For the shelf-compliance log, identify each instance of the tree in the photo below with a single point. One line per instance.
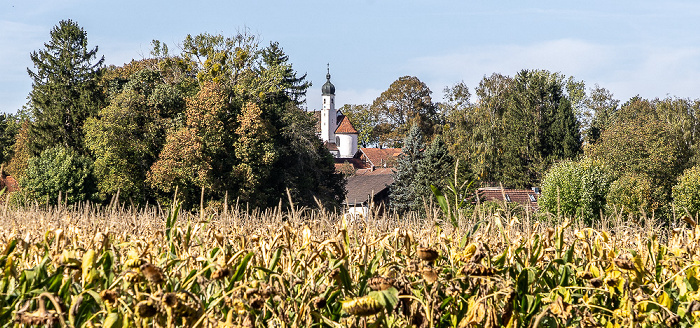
(407, 102)
(9, 127)
(603, 106)
(365, 121)
(403, 195)
(59, 171)
(435, 168)
(632, 195)
(293, 87)
(643, 147)
(254, 151)
(65, 90)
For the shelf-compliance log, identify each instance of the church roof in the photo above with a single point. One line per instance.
(345, 127)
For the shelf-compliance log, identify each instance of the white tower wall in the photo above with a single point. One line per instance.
(328, 119)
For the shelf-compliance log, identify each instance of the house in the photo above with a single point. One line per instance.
(525, 197)
(367, 188)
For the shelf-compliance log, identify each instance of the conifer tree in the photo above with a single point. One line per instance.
(65, 89)
(437, 164)
(404, 196)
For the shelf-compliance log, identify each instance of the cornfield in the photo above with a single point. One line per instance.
(83, 266)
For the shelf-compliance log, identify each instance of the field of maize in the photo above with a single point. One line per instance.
(113, 267)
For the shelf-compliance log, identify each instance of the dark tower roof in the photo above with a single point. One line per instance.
(328, 88)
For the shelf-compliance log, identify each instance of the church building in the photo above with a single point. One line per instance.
(336, 130)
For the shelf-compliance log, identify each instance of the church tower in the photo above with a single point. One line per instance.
(328, 113)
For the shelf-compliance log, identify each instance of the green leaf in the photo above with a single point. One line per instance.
(240, 271)
(388, 298)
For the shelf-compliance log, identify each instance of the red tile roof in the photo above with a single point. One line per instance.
(345, 127)
(380, 156)
(525, 197)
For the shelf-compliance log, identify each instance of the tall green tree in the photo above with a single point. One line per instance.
(404, 195)
(517, 127)
(602, 106)
(65, 90)
(293, 86)
(405, 103)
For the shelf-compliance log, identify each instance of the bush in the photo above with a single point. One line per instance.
(561, 189)
(577, 189)
(59, 170)
(686, 194)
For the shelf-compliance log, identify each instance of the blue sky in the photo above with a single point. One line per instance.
(650, 48)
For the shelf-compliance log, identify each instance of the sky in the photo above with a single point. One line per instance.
(646, 48)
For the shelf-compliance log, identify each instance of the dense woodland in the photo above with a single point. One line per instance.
(225, 118)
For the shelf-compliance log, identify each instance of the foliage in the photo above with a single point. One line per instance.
(517, 127)
(686, 193)
(417, 168)
(59, 172)
(405, 103)
(631, 195)
(186, 160)
(577, 189)
(129, 133)
(602, 107)
(65, 90)
(20, 152)
(254, 150)
(9, 127)
(365, 120)
(404, 195)
(243, 135)
(641, 145)
(561, 189)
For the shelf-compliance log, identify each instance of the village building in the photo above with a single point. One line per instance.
(527, 198)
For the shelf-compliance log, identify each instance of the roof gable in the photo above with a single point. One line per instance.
(345, 127)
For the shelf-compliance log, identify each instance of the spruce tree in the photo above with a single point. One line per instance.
(65, 90)
(404, 194)
(435, 167)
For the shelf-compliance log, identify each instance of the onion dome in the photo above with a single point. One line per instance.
(328, 88)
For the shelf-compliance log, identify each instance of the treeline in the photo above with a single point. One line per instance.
(590, 154)
(222, 118)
